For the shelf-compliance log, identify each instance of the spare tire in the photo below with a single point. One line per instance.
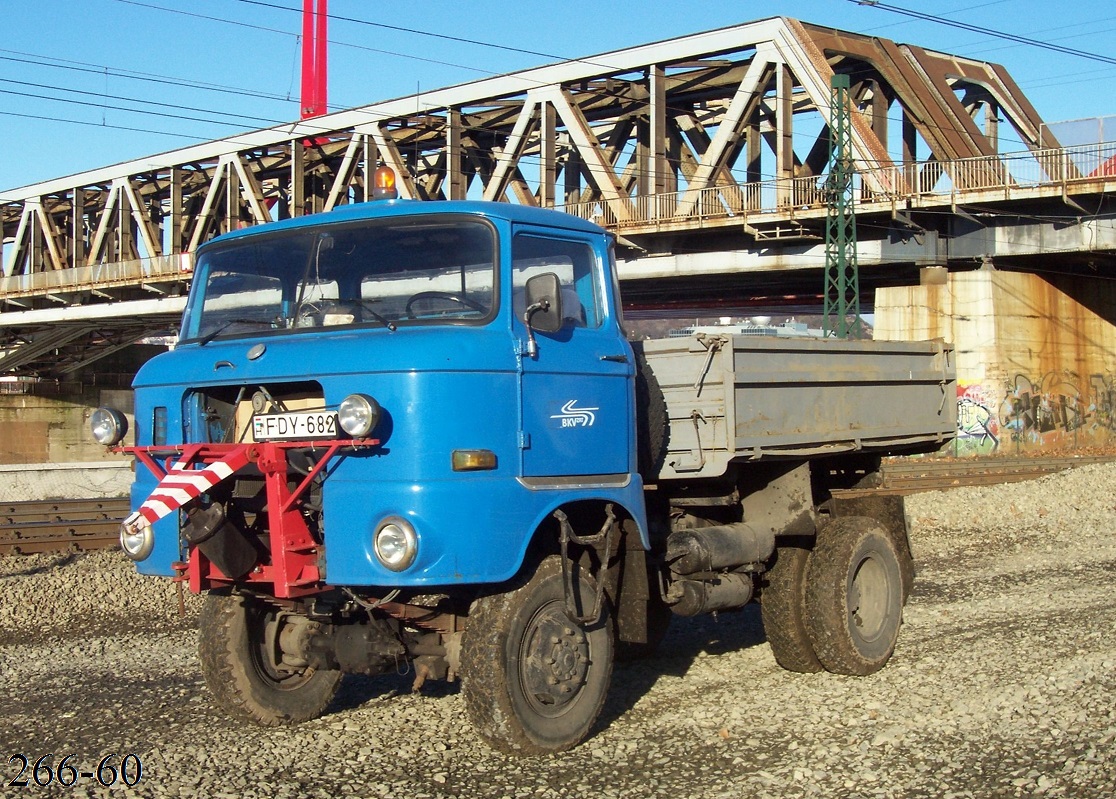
(652, 421)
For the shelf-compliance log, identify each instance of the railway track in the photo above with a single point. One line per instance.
(61, 525)
(911, 475)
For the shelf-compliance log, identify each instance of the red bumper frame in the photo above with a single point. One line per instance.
(189, 470)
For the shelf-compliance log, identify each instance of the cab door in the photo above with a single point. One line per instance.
(576, 397)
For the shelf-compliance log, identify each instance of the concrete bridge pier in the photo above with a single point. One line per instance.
(1036, 354)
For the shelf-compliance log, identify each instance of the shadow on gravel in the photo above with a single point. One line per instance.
(940, 586)
(358, 689)
(92, 625)
(63, 560)
(687, 640)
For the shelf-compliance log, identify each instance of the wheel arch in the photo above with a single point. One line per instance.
(586, 515)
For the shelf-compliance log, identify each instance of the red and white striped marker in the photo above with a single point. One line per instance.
(181, 484)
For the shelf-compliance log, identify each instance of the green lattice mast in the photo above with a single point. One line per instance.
(842, 276)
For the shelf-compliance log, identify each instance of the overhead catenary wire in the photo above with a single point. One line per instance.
(108, 125)
(144, 77)
(156, 103)
(280, 31)
(966, 26)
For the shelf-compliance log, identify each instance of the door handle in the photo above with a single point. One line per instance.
(615, 358)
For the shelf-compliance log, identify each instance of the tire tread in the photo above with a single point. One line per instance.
(222, 651)
(827, 616)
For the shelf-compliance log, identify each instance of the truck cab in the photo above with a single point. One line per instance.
(389, 401)
(423, 313)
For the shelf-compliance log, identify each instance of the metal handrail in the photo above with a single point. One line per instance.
(945, 181)
(160, 268)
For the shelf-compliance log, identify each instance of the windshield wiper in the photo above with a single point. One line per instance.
(379, 318)
(221, 328)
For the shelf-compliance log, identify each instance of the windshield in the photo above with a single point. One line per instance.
(379, 274)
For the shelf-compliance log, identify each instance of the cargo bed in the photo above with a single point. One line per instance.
(733, 397)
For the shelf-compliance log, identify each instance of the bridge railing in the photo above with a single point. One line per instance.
(929, 181)
(98, 276)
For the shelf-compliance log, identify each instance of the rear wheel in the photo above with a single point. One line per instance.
(244, 669)
(534, 680)
(854, 596)
(783, 607)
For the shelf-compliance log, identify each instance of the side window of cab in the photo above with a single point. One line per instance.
(575, 264)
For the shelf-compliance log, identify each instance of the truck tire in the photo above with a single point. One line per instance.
(652, 420)
(240, 675)
(783, 609)
(534, 681)
(854, 596)
(906, 561)
(889, 511)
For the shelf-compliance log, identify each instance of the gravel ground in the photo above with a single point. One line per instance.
(1003, 685)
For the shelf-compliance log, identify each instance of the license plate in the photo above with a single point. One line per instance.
(294, 426)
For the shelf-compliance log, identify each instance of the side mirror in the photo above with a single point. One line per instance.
(544, 303)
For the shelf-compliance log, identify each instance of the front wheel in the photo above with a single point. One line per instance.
(534, 680)
(854, 596)
(244, 667)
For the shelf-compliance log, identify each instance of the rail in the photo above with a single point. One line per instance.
(914, 475)
(60, 525)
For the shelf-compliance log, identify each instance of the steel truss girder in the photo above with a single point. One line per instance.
(683, 114)
(60, 350)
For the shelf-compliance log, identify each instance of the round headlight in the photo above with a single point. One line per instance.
(109, 426)
(137, 539)
(358, 415)
(396, 543)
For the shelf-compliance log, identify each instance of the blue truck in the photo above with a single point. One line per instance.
(417, 434)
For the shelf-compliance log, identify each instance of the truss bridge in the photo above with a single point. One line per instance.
(705, 154)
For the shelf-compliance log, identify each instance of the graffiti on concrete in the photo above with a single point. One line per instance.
(1102, 399)
(1042, 411)
(977, 426)
(1057, 410)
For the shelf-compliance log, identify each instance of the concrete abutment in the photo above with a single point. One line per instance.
(1036, 355)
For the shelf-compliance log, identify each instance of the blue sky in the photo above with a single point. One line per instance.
(226, 66)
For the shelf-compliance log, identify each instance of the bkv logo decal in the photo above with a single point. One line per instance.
(572, 416)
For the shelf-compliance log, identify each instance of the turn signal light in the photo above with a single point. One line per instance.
(473, 460)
